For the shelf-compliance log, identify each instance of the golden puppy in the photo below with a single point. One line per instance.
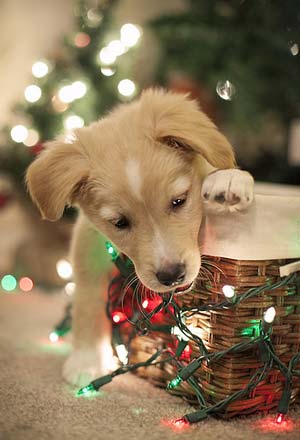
(137, 176)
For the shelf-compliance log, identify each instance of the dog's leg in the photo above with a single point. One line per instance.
(227, 191)
(92, 353)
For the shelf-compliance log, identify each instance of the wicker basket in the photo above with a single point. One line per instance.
(221, 329)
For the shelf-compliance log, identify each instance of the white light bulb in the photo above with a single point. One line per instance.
(53, 337)
(32, 93)
(180, 335)
(106, 56)
(196, 330)
(40, 69)
(66, 94)
(19, 133)
(228, 291)
(32, 138)
(116, 47)
(73, 121)
(122, 354)
(79, 89)
(70, 288)
(64, 269)
(126, 87)
(130, 34)
(269, 315)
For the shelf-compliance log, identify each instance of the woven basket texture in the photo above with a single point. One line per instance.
(223, 328)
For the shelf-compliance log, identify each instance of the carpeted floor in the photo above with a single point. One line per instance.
(35, 403)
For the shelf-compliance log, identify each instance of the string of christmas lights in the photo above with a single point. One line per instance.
(141, 322)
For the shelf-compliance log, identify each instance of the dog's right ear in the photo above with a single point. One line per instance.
(56, 176)
(175, 120)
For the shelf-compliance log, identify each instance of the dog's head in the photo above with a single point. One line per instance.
(136, 174)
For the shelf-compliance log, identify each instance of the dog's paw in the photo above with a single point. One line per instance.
(227, 191)
(83, 366)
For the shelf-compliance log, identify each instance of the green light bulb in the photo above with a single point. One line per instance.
(86, 389)
(174, 383)
(8, 283)
(111, 250)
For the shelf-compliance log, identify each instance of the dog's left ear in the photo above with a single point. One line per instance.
(56, 177)
(177, 121)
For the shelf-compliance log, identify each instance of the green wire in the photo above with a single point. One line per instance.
(263, 342)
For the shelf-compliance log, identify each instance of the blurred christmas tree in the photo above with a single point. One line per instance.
(90, 72)
(241, 59)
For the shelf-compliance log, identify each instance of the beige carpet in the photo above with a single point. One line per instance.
(35, 403)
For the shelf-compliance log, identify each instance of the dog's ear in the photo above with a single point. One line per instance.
(177, 121)
(56, 177)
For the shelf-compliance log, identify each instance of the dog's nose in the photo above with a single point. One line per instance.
(172, 275)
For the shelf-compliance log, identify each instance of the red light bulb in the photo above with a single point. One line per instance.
(145, 304)
(181, 423)
(279, 418)
(118, 317)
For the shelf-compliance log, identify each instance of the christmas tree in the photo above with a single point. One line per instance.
(89, 73)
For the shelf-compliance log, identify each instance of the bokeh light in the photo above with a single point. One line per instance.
(126, 87)
(66, 94)
(107, 71)
(116, 47)
(64, 269)
(32, 138)
(106, 56)
(58, 105)
(130, 34)
(26, 284)
(79, 89)
(73, 121)
(73, 91)
(32, 93)
(40, 69)
(70, 288)
(94, 17)
(19, 133)
(82, 39)
(8, 283)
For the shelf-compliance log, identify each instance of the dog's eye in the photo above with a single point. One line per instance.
(178, 202)
(121, 223)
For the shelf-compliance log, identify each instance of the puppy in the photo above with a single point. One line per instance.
(142, 176)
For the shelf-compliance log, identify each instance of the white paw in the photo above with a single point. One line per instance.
(227, 191)
(83, 366)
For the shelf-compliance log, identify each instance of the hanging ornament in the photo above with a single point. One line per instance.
(226, 90)
(294, 48)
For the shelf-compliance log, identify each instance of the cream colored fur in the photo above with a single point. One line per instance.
(134, 163)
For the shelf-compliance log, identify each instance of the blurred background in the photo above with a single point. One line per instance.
(66, 63)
